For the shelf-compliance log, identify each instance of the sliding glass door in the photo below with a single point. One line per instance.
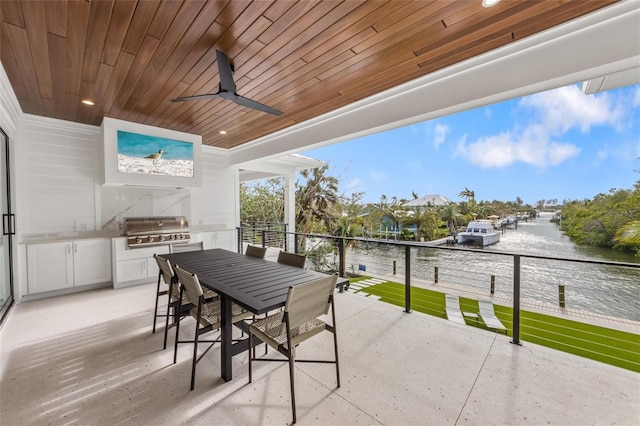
(8, 229)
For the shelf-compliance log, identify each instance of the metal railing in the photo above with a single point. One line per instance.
(546, 281)
(265, 234)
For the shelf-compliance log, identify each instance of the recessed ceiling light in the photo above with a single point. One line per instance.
(223, 132)
(489, 3)
(88, 102)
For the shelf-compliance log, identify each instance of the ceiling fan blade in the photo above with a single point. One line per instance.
(240, 100)
(228, 88)
(195, 97)
(226, 73)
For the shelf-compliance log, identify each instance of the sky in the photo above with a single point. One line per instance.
(559, 144)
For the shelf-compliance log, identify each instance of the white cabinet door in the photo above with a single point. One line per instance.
(49, 267)
(91, 261)
(131, 270)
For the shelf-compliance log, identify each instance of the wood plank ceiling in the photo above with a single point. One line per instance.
(304, 58)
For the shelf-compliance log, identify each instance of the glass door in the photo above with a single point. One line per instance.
(8, 229)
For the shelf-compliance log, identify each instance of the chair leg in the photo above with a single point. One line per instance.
(291, 379)
(166, 326)
(254, 354)
(195, 357)
(335, 345)
(155, 310)
(175, 347)
(335, 339)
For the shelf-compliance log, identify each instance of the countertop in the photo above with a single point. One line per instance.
(70, 236)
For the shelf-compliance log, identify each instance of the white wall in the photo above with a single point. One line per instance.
(59, 170)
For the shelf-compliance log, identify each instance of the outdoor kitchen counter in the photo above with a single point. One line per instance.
(66, 236)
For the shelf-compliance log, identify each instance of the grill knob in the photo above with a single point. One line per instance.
(161, 237)
(172, 236)
(150, 239)
(138, 240)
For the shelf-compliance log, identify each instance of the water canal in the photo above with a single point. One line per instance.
(602, 289)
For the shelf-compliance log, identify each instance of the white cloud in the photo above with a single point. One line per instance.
(557, 153)
(553, 114)
(439, 134)
(506, 148)
(563, 109)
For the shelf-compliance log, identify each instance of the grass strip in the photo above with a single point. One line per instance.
(614, 347)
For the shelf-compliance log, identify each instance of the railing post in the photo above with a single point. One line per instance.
(561, 295)
(240, 240)
(493, 284)
(435, 274)
(394, 267)
(516, 300)
(263, 235)
(295, 243)
(407, 278)
(285, 237)
(341, 256)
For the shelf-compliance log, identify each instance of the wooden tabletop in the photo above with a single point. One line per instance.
(258, 285)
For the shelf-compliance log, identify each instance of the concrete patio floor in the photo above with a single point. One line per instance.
(90, 358)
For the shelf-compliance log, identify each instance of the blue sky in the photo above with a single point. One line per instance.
(557, 144)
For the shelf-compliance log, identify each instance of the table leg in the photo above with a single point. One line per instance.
(226, 336)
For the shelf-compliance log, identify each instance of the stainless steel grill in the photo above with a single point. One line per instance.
(153, 231)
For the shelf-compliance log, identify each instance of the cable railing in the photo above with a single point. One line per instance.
(530, 293)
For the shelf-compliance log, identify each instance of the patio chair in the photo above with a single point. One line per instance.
(299, 321)
(181, 248)
(292, 259)
(489, 317)
(452, 309)
(168, 277)
(207, 315)
(256, 251)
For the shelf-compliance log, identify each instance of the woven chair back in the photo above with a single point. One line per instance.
(165, 268)
(292, 259)
(190, 284)
(308, 301)
(256, 251)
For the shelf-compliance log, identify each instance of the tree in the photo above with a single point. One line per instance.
(314, 199)
(451, 215)
(605, 220)
(468, 195)
(426, 220)
(262, 201)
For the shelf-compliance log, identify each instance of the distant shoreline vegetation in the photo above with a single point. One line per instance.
(608, 220)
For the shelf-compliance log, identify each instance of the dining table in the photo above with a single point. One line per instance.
(257, 285)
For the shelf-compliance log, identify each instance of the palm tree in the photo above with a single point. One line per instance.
(469, 195)
(629, 234)
(314, 199)
(450, 214)
(426, 221)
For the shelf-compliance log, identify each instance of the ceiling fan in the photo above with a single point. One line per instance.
(227, 88)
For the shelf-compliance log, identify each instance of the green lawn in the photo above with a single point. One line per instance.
(603, 344)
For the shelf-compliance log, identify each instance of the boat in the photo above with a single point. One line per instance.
(479, 232)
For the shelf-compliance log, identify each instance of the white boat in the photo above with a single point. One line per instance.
(480, 232)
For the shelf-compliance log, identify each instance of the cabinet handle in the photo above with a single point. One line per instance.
(8, 224)
(75, 248)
